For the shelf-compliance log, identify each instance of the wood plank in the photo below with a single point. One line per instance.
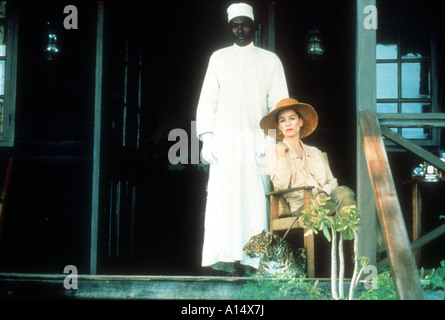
(365, 100)
(280, 192)
(271, 26)
(283, 224)
(414, 148)
(406, 277)
(51, 286)
(96, 138)
(309, 239)
(417, 216)
(412, 120)
(415, 245)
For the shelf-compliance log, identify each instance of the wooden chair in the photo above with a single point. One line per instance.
(280, 224)
(289, 223)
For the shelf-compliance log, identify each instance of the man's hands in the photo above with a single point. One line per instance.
(209, 154)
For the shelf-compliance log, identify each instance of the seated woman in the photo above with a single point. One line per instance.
(291, 163)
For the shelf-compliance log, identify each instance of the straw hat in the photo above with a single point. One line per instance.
(269, 123)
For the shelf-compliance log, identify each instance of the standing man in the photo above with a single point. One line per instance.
(242, 84)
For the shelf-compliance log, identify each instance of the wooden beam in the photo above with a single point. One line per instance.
(279, 192)
(412, 120)
(365, 100)
(417, 216)
(404, 270)
(271, 26)
(414, 148)
(427, 238)
(111, 287)
(96, 137)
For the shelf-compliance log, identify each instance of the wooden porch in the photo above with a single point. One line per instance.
(51, 286)
(374, 184)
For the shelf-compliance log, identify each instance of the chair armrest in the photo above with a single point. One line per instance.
(279, 192)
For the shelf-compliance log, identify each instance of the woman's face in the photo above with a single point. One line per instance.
(289, 123)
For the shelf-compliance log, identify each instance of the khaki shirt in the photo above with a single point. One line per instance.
(292, 172)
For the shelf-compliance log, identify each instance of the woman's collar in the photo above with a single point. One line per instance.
(292, 152)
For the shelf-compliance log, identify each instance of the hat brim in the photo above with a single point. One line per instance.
(269, 122)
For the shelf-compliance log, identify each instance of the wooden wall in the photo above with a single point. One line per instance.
(47, 223)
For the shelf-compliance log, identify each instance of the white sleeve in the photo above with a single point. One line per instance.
(208, 101)
(278, 87)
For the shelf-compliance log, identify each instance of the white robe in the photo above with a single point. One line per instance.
(241, 85)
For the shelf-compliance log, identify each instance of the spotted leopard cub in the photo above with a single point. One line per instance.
(277, 258)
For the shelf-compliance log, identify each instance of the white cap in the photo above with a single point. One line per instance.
(239, 9)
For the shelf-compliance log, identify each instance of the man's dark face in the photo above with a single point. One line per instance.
(242, 30)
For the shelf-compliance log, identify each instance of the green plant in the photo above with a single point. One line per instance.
(283, 287)
(343, 224)
(436, 280)
(385, 288)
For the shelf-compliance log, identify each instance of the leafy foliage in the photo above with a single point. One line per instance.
(385, 288)
(437, 278)
(283, 288)
(346, 221)
(315, 217)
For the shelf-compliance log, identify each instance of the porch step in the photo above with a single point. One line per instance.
(51, 286)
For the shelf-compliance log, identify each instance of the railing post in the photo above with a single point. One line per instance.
(365, 100)
(404, 270)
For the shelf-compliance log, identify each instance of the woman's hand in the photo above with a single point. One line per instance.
(282, 149)
(321, 195)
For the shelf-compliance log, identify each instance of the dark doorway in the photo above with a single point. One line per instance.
(155, 58)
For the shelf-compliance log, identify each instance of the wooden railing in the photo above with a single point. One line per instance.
(404, 270)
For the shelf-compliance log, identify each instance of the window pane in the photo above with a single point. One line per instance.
(415, 41)
(386, 41)
(386, 51)
(416, 80)
(415, 107)
(2, 77)
(415, 133)
(2, 40)
(2, 104)
(387, 108)
(2, 9)
(387, 80)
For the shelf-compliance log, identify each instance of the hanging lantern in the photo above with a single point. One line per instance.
(51, 47)
(315, 46)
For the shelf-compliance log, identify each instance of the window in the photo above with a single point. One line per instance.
(404, 75)
(8, 58)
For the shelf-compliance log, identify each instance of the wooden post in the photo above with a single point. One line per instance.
(404, 270)
(271, 26)
(414, 148)
(309, 240)
(96, 138)
(417, 216)
(427, 238)
(365, 100)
